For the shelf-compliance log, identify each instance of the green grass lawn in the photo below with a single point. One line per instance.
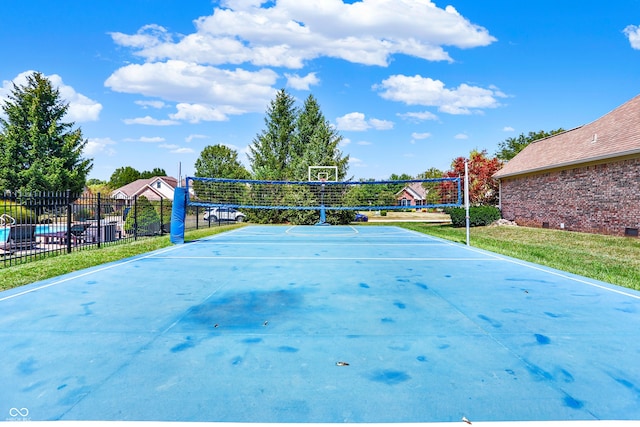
(30, 272)
(609, 259)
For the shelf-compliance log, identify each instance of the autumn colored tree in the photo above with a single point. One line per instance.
(483, 188)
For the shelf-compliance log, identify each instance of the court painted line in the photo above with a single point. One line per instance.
(542, 268)
(88, 273)
(318, 258)
(462, 422)
(307, 244)
(293, 232)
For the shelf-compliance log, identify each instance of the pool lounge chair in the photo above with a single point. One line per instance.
(21, 237)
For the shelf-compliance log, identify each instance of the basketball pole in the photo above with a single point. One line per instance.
(466, 198)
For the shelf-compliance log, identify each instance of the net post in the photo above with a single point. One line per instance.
(323, 214)
(178, 215)
(466, 199)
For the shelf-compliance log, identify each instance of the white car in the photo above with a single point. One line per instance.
(223, 214)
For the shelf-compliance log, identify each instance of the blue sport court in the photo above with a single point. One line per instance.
(304, 324)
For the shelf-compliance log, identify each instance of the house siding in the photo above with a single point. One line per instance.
(600, 198)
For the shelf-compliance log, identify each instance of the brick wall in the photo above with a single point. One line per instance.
(603, 198)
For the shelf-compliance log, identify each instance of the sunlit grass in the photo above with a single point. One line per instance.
(54, 266)
(610, 259)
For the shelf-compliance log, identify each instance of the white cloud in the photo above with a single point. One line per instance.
(176, 149)
(461, 136)
(633, 34)
(364, 143)
(418, 116)
(381, 124)
(357, 122)
(152, 104)
(417, 135)
(224, 91)
(195, 113)
(286, 33)
(196, 68)
(508, 129)
(352, 122)
(100, 146)
(150, 121)
(147, 139)
(81, 108)
(418, 90)
(301, 83)
(195, 136)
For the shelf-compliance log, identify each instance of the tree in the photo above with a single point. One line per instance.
(316, 143)
(270, 150)
(512, 146)
(38, 150)
(218, 161)
(152, 173)
(483, 189)
(123, 176)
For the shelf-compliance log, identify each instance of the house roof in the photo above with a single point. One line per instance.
(615, 134)
(415, 189)
(141, 186)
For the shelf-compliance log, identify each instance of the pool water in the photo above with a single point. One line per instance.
(40, 229)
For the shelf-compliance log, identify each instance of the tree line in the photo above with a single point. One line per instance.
(40, 151)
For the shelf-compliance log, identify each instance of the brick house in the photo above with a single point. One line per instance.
(413, 194)
(586, 179)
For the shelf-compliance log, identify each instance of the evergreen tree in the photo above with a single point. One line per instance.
(38, 150)
(270, 151)
(316, 143)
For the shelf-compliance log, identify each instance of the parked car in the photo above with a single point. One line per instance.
(223, 214)
(361, 218)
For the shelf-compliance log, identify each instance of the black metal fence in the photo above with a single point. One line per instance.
(37, 225)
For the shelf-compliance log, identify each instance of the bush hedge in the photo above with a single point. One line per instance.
(478, 216)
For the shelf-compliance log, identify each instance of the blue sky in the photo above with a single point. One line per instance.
(409, 84)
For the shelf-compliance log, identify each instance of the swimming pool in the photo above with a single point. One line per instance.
(40, 229)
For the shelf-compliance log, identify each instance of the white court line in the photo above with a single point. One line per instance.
(533, 266)
(322, 258)
(291, 231)
(314, 244)
(91, 271)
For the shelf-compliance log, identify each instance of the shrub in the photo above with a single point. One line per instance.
(148, 219)
(478, 216)
(383, 213)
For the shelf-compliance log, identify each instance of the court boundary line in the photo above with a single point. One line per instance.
(316, 258)
(92, 270)
(533, 266)
(290, 232)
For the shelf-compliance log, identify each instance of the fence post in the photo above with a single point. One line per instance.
(69, 208)
(98, 221)
(135, 217)
(161, 222)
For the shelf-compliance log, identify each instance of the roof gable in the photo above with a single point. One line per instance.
(140, 186)
(615, 134)
(415, 190)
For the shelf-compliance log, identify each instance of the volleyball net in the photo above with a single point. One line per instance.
(331, 195)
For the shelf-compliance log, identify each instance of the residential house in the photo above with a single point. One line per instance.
(154, 189)
(586, 179)
(413, 194)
